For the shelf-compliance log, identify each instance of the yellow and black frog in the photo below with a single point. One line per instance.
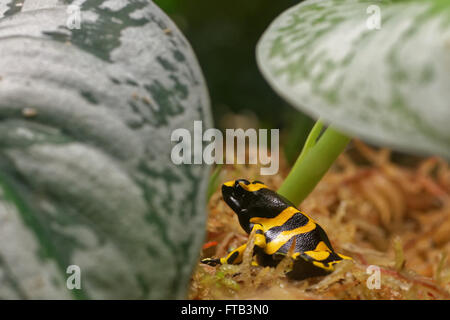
(277, 223)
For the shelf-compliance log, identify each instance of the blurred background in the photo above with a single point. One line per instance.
(224, 35)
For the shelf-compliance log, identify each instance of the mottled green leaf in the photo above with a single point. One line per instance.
(390, 86)
(86, 176)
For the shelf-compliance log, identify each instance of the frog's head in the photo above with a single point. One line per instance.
(252, 199)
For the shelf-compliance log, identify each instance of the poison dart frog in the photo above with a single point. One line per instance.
(277, 223)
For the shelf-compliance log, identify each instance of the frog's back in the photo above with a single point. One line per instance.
(293, 225)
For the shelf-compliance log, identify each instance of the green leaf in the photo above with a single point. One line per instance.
(86, 176)
(214, 181)
(389, 86)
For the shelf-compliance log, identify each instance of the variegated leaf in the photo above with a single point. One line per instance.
(86, 176)
(378, 70)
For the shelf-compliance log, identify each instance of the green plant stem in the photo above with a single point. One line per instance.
(299, 127)
(310, 140)
(313, 163)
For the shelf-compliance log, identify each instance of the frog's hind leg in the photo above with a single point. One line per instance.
(303, 267)
(314, 263)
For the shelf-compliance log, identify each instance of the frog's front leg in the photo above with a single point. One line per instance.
(234, 257)
(260, 238)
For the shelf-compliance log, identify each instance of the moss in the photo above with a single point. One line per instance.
(381, 213)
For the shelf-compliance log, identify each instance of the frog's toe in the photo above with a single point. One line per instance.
(211, 261)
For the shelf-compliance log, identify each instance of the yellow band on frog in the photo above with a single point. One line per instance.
(285, 236)
(229, 183)
(252, 186)
(279, 220)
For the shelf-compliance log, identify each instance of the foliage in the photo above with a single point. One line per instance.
(388, 85)
(86, 177)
